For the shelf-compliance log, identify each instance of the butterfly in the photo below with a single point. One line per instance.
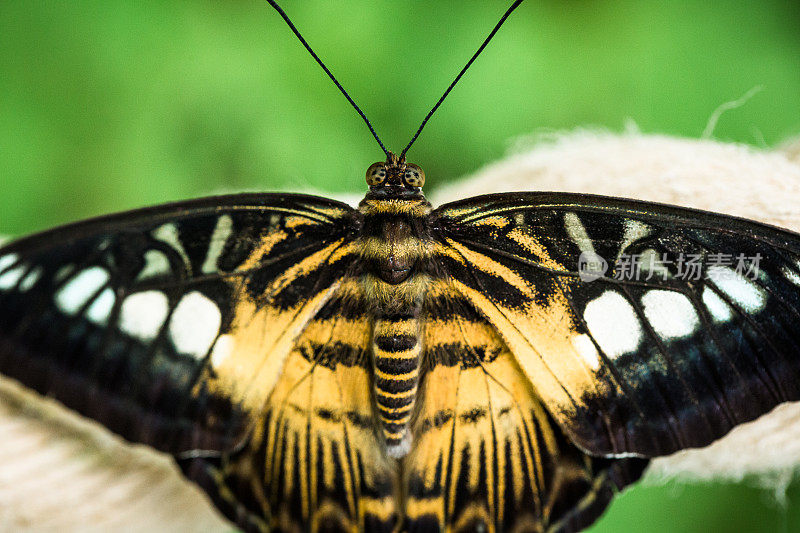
(505, 362)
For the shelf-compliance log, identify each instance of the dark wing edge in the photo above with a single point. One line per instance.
(633, 366)
(118, 317)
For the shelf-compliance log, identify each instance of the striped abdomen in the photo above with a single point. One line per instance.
(394, 246)
(396, 350)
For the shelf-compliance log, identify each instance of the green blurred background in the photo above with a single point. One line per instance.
(112, 104)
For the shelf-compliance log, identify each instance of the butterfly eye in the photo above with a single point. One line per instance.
(376, 174)
(414, 176)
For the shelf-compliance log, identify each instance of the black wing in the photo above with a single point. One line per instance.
(130, 319)
(693, 326)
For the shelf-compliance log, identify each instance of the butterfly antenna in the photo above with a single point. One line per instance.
(508, 12)
(292, 27)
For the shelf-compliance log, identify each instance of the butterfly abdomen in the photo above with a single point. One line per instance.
(396, 349)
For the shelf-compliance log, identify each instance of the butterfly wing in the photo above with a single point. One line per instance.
(650, 357)
(187, 328)
(487, 456)
(314, 460)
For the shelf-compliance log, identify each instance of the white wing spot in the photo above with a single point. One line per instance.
(720, 311)
(156, 264)
(274, 220)
(195, 324)
(671, 314)
(8, 260)
(577, 232)
(634, 230)
(222, 231)
(222, 350)
(587, 350)
(63, 273)
(101, 307)
(74, 294)
(30, 280)
(142, 314)
(613, 323)
(651, 262)
(738, 288)
(168, 233)
(10, 278)
(791, 275)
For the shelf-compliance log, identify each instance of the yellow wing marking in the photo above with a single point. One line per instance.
(342, 251)
(437, 404)
(263, 250)
(468, 419)
(445, 250)
(444, 331)
(493, 268)
(347, 331)
(307, 265)
(541, 340)
(486, 451)
(520, 234)
(262, 335)
(294, 221)
(535, 248)
(257, 347)
(317, 439)
(493, 222)
(330, 212)
(542, 337)
(461, 212)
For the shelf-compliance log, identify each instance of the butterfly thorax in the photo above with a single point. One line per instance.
(395, 237)
(394, 244)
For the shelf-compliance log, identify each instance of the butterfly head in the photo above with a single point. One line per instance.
(395, 178)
